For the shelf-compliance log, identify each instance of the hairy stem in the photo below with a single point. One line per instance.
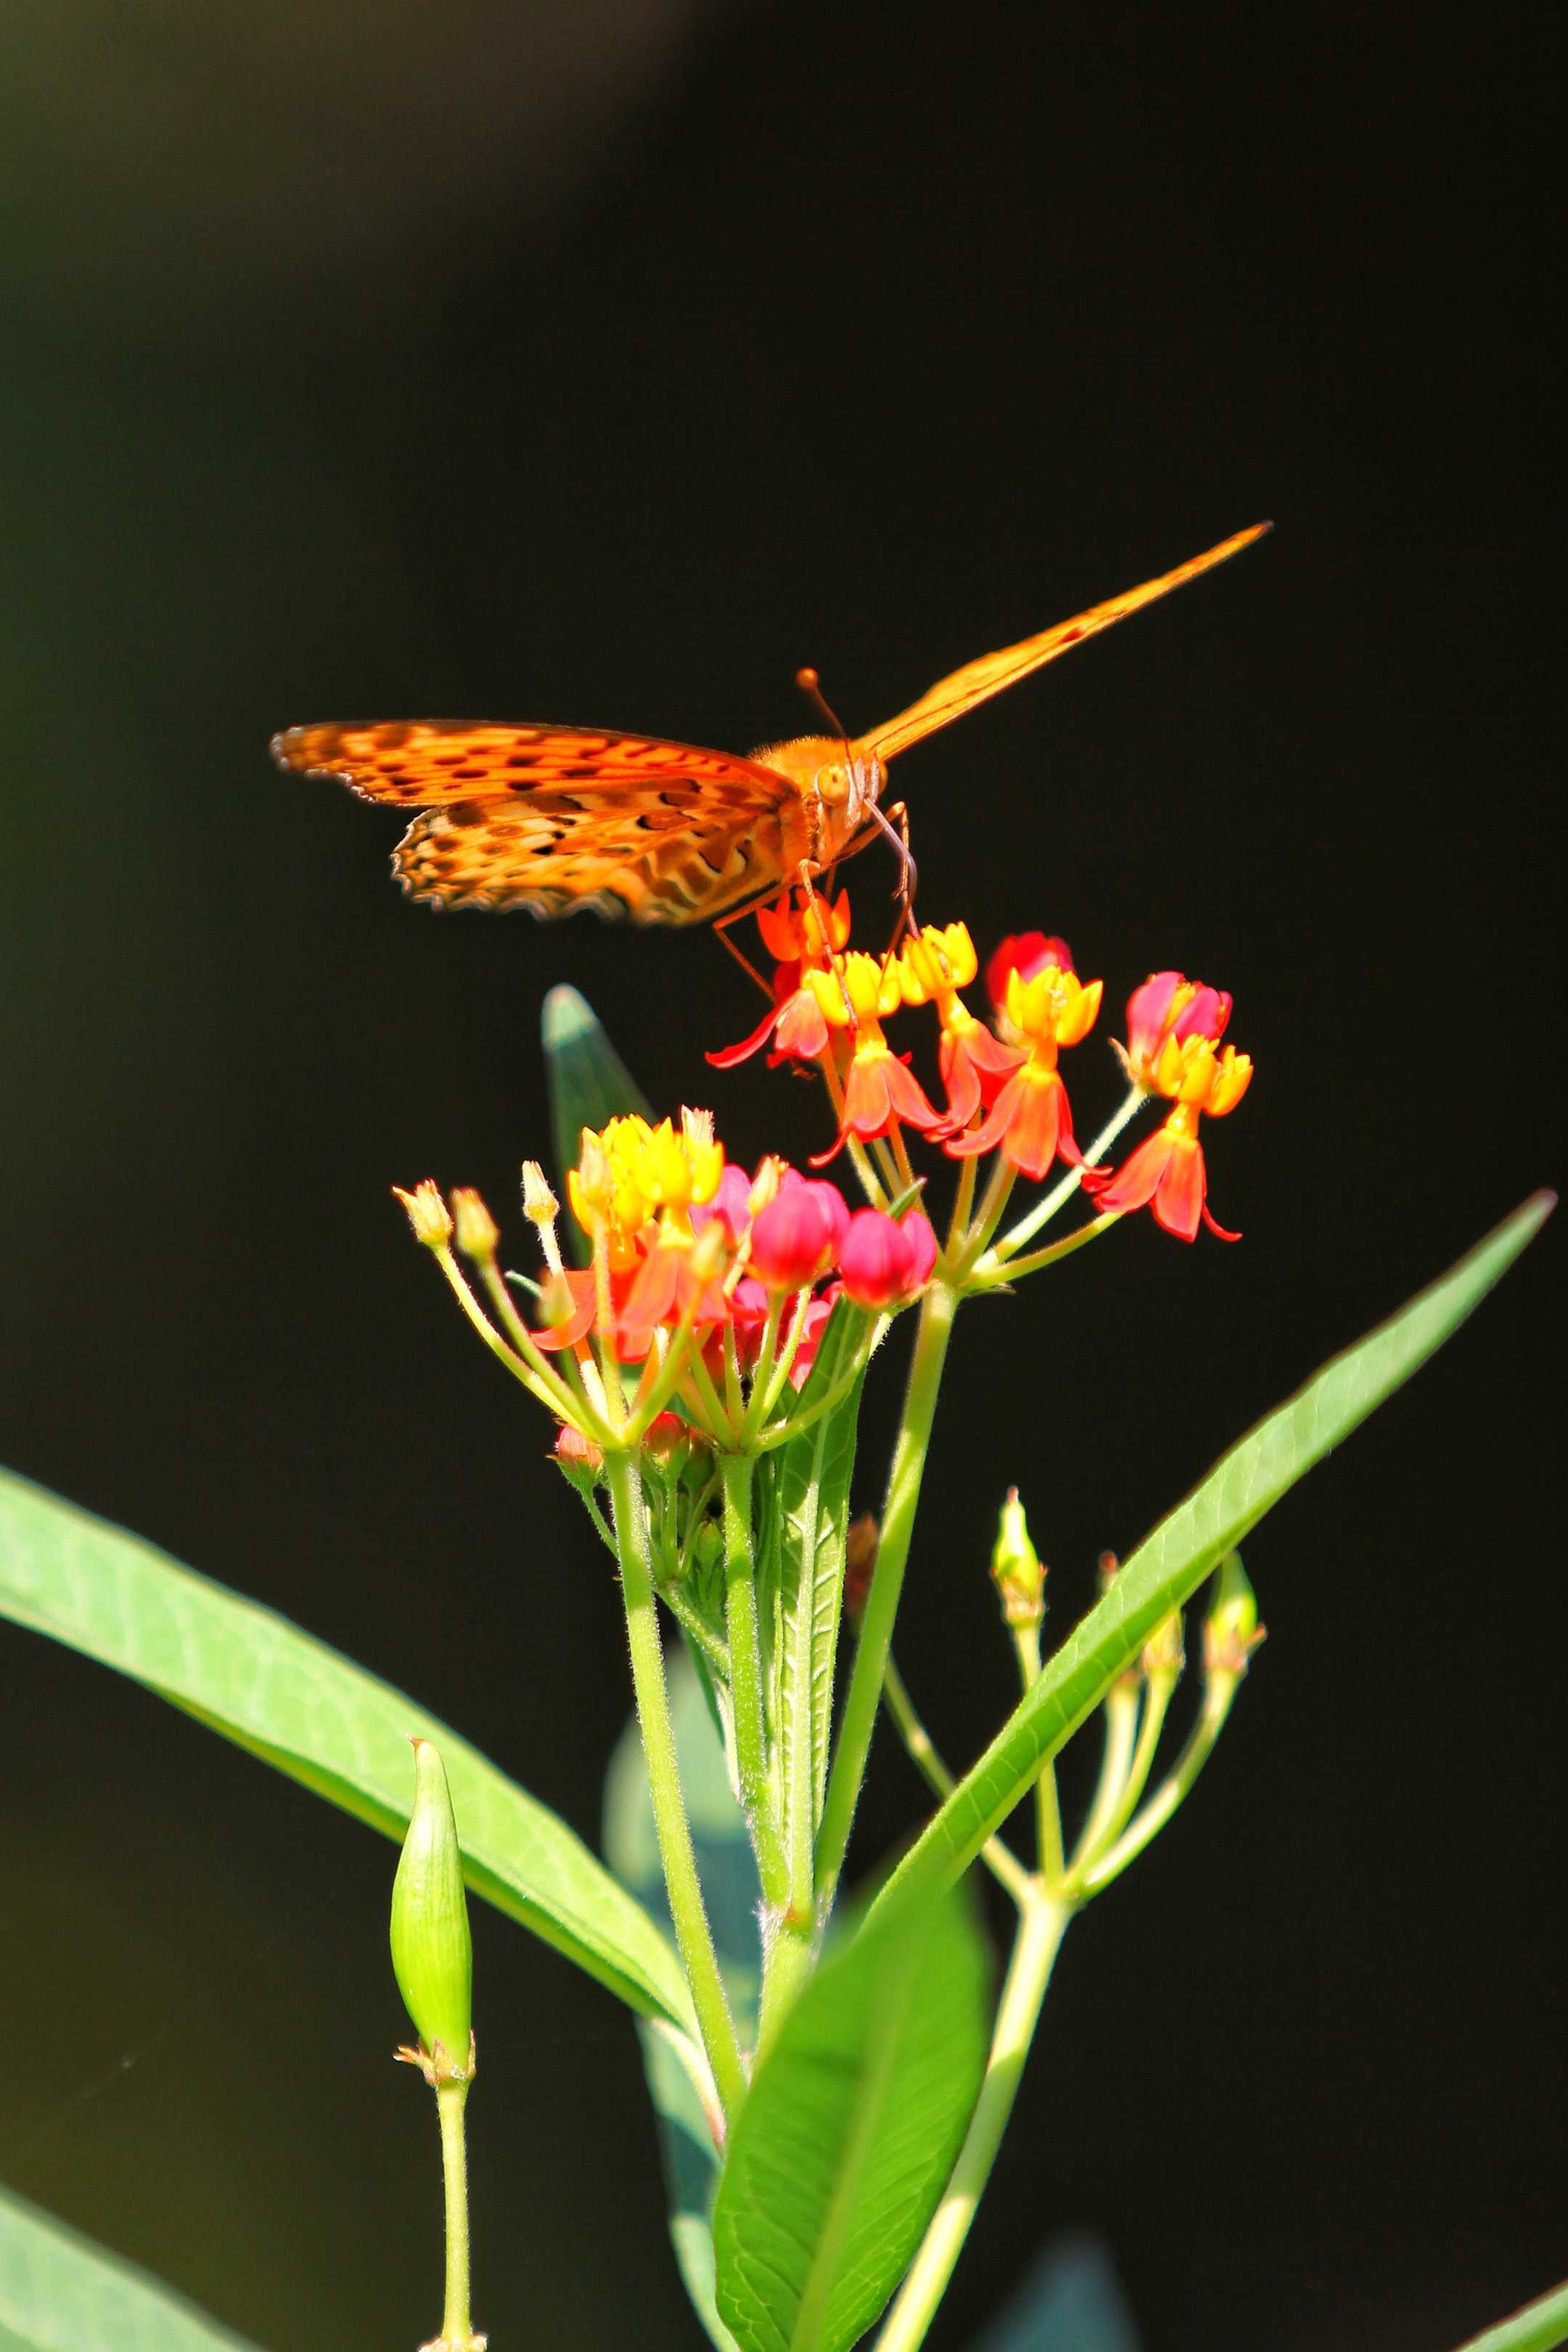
(937, 1310)
(692, 1933)
(757, 1794)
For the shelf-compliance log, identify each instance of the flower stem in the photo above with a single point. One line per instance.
(1148, 1824)
(1041, 1928)
(1121, 1712)
(457, 2327)
(757, 1796)
(692, 1932)
(1044, 1211)
(999, 1859)
(1047, 1805)
(938, 1308)
(990, 1275)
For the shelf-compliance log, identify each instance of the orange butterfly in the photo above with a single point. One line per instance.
(557, 818)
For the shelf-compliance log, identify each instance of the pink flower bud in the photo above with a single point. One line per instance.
(1205, 1016)
(917, 1230)
(835, 1208)
(791, 1239)
(1026, 953)
(730, 1203)
(877, 1260)
(575, 1452)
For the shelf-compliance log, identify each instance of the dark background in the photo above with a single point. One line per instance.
(605, 366)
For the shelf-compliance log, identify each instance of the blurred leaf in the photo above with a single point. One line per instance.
(1540, 2326)
(729, 1874)
(589, 1085)
(1071, 2301)
(843, 2149)
(61, 2293)
(1169, 1565)
(813, 1479)
(251, 1674)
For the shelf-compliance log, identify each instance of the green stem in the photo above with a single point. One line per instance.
(684, 1887)
(1172, 1789)
(989, 1275)
(786, 1964)
(757, 1795)
(1044, 1211)
(1041, 1928)
(938, 1308)
(1121, 1711)
(456, 2328)
(1047, 1805)
(544, 1384)
(999, 1859)
(1158, 1691)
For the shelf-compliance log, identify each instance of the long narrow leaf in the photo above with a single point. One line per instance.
(814, 1476)
(842, 2150)
(61, 2292)
(1540, 2326)
(304, 1708)
(1170, 1564)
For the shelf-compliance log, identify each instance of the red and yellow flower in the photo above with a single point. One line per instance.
(855, 996)
(1030, 1122)
(1168, 1006)
(931, 970)
(1167, 1173)
(802, 938)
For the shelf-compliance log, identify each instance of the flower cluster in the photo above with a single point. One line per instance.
(681, 1238)
(1005, 1091)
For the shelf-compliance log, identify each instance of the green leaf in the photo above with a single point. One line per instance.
(589, 1085)
(61, 2293)
(307, 1709)
(1540, 2326)
(813, 1510)
(843, 2149)
(1170, 1564)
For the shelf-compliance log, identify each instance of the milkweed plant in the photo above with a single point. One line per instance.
(833, 2082)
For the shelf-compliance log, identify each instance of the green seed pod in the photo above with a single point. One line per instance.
(431, 1950)
(1231, 1631)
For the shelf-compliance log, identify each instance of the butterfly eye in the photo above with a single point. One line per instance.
(833, 784)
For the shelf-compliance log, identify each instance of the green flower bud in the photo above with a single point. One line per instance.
(431, 1950)
(1163, 1653)
(1016, 1568)
(1231, 1631)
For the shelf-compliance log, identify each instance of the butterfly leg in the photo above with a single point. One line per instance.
(721, 933)
(909, 876)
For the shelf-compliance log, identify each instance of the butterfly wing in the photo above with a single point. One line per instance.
(981, 679)
(558, 818)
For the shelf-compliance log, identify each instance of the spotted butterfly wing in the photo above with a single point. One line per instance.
(557, 818)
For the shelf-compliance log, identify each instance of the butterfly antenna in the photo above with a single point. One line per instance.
(810, 686)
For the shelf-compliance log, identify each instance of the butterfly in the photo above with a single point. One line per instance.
(556, 819)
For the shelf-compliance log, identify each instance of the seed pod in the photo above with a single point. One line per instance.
(431, 1950)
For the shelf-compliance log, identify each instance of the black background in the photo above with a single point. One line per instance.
(872, 336)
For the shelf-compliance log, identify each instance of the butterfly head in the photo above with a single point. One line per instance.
(843, 777)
